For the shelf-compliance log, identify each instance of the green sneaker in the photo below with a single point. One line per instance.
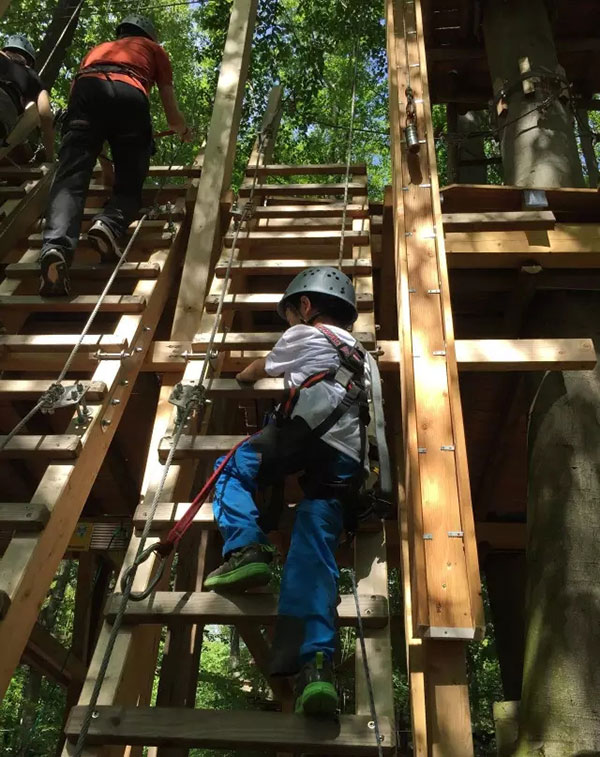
(315, 688)
(244, 568)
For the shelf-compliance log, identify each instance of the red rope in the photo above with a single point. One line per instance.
(170, 542)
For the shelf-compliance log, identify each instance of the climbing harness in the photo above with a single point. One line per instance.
(348, 156)
(111, 68)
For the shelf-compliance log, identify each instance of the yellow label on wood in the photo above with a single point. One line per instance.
(82, 537)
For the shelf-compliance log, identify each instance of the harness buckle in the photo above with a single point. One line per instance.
(343, 376)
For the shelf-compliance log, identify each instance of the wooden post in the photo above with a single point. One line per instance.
(444, 568)
(216, 170)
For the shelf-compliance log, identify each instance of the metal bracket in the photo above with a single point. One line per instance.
(58, 396)
(434, 291)
(428, 537)
(447, 448)
(456, 534)
(99, 355)
(187, 396)
(422, 450)
(439, 353)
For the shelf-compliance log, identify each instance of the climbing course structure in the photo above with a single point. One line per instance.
(119, 398)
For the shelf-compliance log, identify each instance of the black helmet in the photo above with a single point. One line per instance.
(141, 23)
(323, 280)
(22, 45)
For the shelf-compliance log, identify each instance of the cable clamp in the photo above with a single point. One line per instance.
(58, 396)
(100, 355)
(187, 396)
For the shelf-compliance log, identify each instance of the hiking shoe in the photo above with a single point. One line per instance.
(315, 688)
(102, 239)
(54, 280)
(244, 568)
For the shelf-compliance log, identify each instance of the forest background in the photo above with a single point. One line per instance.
(314, 49)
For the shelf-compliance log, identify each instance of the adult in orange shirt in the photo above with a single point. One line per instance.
(109, 101)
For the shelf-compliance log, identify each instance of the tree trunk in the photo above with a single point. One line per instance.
(559, 714)
(58, 38)
(539, 148)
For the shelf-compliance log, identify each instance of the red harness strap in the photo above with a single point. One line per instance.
(172, 539)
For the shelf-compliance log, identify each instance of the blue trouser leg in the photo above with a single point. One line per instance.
(234, 507)
(310, 576)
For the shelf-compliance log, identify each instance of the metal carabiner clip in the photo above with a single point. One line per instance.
(129, 574)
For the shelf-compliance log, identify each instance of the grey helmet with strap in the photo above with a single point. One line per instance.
(141, 23)
(19, 43)
(323, 280)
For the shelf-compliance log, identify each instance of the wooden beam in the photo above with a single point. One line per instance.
(217, 168)
(180, 727)
(334, 210)
(172, 608)
(307, 190)
(290, 267)
(322, 169)
(244, 301)
(79, 271)
(290, 239)
(515, 220)
(41, 447)
(23, 516)
(45, 653)
(82, 303)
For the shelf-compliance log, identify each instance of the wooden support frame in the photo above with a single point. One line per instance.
(444, 567)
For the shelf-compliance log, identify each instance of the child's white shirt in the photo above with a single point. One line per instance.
(303, 351)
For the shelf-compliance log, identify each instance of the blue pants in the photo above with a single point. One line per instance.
(309, 584)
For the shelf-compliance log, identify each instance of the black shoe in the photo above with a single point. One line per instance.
(54, 280)
(315, 688)
(102, 239)
(244, 568)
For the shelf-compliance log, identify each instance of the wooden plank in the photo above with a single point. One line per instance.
(295, 238)
(45, 653)
(217, 168)
(312, 190)
(194, 447)
(18, 222)
(83, 303)
(334, 210)
(240, 302)
(60, 342)
(172, 608)
(239, 730)
(12, 193)
(275, 267)
(510, 354)
(308, 170)
(445, 573)
(152, 239)
(79, 271)
(481, 198)
(23, 516)
(24, 389)
(41, 447)
(515, 220)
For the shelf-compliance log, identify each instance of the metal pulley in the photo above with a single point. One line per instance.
(187, 396)
(411, 135)
(58, 396)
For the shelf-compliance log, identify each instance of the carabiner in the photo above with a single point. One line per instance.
(129, 574)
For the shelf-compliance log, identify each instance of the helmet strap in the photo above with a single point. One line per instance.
(310, 321)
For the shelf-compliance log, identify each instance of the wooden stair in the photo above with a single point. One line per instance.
(62, 453)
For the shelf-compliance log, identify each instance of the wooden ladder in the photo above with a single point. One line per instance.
(53, 461)
(295, 225)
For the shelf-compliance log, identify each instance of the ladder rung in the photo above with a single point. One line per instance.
(8, 173)
(351, 266)
(149, 194)
(296, 238)
(148, 240)
(12, 193)
(173, 608)
(257, 340)
(245, 302)
(79, 271)
(198, 446)
(242, 730)
(46, 447)
(324, 169)
(334, 210)
(60, 342)
(83, 303)
(289, 190)
(23, 516)
(168, 513)
(24, 389)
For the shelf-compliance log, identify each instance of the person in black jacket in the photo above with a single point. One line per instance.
(21, 85)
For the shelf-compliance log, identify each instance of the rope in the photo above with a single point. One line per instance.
(62, 36)
(142, 553)
(348, 156)
(363, 649)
